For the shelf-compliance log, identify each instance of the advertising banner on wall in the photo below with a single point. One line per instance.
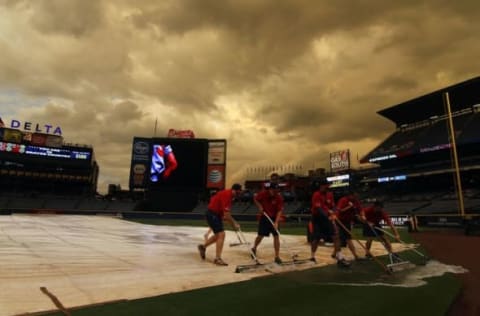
(140, 162)
(216, 176)
(340, 160)
(216, 168)
(216, 152)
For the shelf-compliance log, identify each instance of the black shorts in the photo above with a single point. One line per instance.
(322, 228)
(215, 222)
(343, 234)
(265, 227)
(368, 231)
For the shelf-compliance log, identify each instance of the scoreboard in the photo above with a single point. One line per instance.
(172, 164)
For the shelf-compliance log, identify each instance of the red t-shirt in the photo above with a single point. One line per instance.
(376, 216)
(349, 214)
(272, 204)
(221, 202)
(323, 200)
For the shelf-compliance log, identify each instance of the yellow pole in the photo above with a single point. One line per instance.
(455, 156)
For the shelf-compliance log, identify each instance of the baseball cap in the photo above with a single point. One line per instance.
(237, 187)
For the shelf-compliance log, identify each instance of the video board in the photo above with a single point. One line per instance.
(30, 150)
(169, 163)
(178, 163)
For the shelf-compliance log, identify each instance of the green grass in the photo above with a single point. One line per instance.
(307, 292)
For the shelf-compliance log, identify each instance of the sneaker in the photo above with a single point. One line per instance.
(253, 254)
(220, 262)
(278, 260)
(202, 250)
(343, 263)
(312, 259)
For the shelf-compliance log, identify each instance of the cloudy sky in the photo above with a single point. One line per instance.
(285, 82)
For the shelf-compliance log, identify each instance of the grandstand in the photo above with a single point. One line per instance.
(40, 171)
(414, 172)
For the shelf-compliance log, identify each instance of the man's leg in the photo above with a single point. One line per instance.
(314, 246)
(276, 246)
(219, 243)
(257, 242)
(351, 246)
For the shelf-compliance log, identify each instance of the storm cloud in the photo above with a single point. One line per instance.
(285, 82)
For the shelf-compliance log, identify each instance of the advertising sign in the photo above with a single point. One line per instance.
(340, 160)
(140, 162)
(216, 177)
(216, 152)
(173, 133)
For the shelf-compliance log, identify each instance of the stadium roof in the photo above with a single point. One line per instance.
(462, 95)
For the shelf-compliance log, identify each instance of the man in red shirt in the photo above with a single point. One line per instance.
(269, 202)
(218, 210)
(372, 216)
(323, 221)
(348, 207)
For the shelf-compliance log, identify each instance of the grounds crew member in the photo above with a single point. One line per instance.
(269, 202)
(371, 217)
(348, 207)
(218, 210)
(323, 220)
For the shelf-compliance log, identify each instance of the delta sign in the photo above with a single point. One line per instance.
(32, 127)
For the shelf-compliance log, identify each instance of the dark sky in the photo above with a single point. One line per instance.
(285, 82)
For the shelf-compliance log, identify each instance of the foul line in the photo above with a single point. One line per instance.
(55, 300)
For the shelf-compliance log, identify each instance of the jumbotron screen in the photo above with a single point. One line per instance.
(178, 163)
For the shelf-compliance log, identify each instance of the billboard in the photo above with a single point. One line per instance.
(340, 160)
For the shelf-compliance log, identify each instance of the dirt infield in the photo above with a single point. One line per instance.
(453, 247)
